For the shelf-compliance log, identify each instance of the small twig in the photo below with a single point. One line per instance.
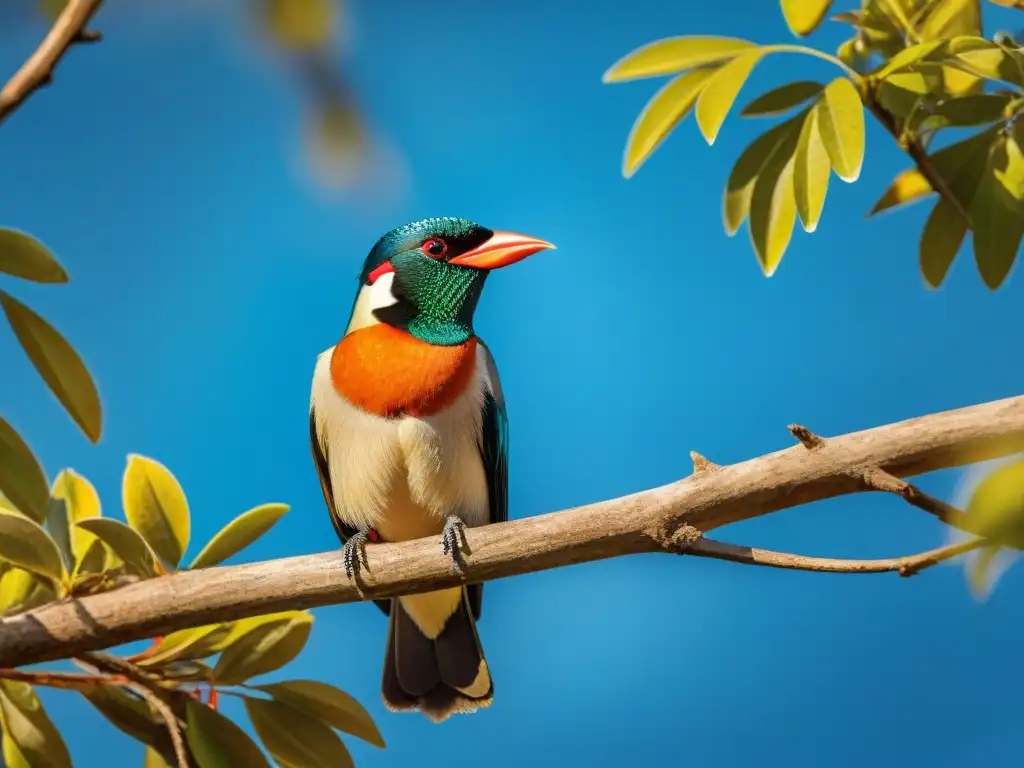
(701, 464)
(807, 438)
(904, 566)
(878, 479)
(65, 680)
(68, 29)
(164, 710)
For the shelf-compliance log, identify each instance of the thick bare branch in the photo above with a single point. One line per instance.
(68, 29)
(667, 519)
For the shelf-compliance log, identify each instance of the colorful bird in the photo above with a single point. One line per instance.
(410, 439)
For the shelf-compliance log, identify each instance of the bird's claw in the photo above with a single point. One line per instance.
(353, 554)
(453, 540)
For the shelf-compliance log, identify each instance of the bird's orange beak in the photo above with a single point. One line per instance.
(500, 250)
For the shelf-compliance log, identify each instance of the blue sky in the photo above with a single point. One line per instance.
(207, 272)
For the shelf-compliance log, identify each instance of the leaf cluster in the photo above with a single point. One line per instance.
(920, 67)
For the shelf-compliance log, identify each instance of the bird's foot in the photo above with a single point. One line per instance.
(353, 554)
(453, 539)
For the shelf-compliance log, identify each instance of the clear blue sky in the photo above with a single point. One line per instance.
(207, 273)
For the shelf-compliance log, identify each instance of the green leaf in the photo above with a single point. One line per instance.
(123, 541)
(21, 591)
(295, 739)
(239, 534)
(674, 54)
(972, 110)
(946, 18)
(773, 204)
(997, 212)
(996, 507)
(782, 99)
(262, 647)
(841, 123)
(22, 480)
(216, 742)
(30, 728)
(666, 109)
(59, 365)
(21, 255)
(128, 713)
(720, 92)
(941, 238)
(155, 760)
(984, 58)
(156, 507)
(804, 16)
(327, 703)
(26, 544)
(190, 644)
(910, 56)
(811, 171)
(73, 498)
(740, 186)
(13, 757)
(299, 25)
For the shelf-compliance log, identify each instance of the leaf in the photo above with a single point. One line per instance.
(983, 58)
(59, 365)
(22, 480)
(841, 123)
(751, 161)
(216, 742)
(26, 544)
(190, 644)
(126, 712)
(299, 25)
(263, 648)
(155, 760)
(21, 255)
(666, 109)
(156, 507)
(239, 534)
(674, 54)
(980, 580)
(30, 728)
(327, 703)
(125, 542)
(997, 212)
(907, 187)
(21, 591)
(947, 18)
(804, 16)
(811, 171)
(294, 739)
(782, 99)
(773, 204)
(972, 110)
(941, 238)
(996, 507)
(720, 92)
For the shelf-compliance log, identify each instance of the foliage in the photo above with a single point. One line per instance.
(75, 550)
(921, 68)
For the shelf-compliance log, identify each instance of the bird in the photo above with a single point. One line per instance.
(409, 436)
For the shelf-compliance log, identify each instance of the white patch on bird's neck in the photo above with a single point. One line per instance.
(372, 297)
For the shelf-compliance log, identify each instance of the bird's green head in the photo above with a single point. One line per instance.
(426, 277)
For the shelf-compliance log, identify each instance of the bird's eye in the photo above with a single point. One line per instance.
(435, 248)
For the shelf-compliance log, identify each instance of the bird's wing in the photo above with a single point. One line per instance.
(494, 454)
(343, 529)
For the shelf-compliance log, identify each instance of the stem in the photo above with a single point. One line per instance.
(788, 48)
(69, 681)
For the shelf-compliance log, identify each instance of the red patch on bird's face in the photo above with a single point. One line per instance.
(383, 269)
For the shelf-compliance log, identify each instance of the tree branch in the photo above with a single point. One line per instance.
(68, 29)
(666, 519)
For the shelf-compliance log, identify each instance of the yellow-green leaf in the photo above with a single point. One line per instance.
(26, 544)
(910, 56)
(293, 738)
(941, 238)
(773, 204)
(216, 742)
(22, 480)
(21, 591)
(73, 498)
(59, 365)
(123, 541)
(263, 648)
(782, 99)
(720, 92)
(948, 18)
(841, 124)
(740, 186)
(909, 186)
(12, 754)
(973, 110)
(21, 255)
(674, 54)
(810, 173)
(195, 643)
(30, 728)
(155, 760)
(239, 534)
(300, 25)
(156, 507)
(996, 507)
(997, 213)
(126, 712)
(660, 116)
(982, 569)
(804, 16)
(327, 703)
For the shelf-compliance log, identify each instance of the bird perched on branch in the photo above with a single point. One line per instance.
(410, 439)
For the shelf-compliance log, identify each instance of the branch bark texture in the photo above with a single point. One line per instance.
(68, 29)
(672, 518)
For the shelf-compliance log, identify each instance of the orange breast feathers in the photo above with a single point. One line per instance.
(388, 372)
